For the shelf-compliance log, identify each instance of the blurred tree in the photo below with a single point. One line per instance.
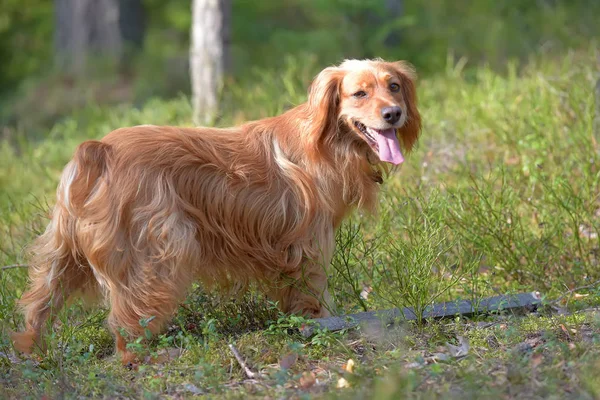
(208, 55)
(23, 41)
(380, 28)
(393, 10)
(101, 28)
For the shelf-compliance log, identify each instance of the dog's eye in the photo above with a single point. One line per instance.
(394, 87)
(360, 94)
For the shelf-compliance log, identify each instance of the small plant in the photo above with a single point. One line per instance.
(326, 338)
(209, 332)
(287, 324)
(351, 263)
(425, 261)
(413, 265)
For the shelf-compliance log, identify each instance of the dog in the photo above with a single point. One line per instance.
(147, 210)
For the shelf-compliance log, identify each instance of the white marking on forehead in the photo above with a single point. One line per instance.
(357, 65)
(354, 67)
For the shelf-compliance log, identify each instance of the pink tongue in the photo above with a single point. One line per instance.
(389, 148)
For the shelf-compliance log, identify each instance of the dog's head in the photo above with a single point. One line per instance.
(374, 100)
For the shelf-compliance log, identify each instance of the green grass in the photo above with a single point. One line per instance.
(501, 196)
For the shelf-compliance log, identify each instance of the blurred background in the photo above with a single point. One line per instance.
(64, 56)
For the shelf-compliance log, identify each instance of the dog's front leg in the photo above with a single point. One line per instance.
(304, 291)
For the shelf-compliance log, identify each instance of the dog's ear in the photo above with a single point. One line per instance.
(410, 131)
(324, 102)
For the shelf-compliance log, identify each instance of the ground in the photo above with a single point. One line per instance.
(533, 356)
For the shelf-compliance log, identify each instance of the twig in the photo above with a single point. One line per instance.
(242, 363)
(567, 293)
(15, 266)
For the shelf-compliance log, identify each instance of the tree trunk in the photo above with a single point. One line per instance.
(132, 22)
(208, 56)
(98, 28)
(385, 18)
(393, 9)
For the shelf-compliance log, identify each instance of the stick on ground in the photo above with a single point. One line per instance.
(512, 303)
(15, 266)
(249, 373)
(571, 291)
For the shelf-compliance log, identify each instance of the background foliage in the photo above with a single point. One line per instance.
(266, 33)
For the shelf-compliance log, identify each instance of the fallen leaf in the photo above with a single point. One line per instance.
(342, 383)
(349, 366)
(461, 350)
(190, 387)
(307, 380)
(364, 294)
(288, 360)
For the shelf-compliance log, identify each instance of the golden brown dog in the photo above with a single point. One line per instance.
(147, 210)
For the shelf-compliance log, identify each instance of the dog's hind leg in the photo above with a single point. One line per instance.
(145, 304)
(54, 275)
(58, 269)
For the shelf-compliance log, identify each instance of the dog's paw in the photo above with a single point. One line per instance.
(24, 342)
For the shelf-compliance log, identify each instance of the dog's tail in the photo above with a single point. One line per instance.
(81, 175)
(58, 267)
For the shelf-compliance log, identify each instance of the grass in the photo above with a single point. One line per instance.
(501, 196)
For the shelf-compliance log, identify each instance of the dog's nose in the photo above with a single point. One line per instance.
(391, 114)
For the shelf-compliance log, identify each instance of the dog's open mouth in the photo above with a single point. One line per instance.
(383, 142)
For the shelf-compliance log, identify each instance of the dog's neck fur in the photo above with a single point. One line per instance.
(334, 160)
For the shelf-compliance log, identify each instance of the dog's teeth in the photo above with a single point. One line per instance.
(363, 128)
